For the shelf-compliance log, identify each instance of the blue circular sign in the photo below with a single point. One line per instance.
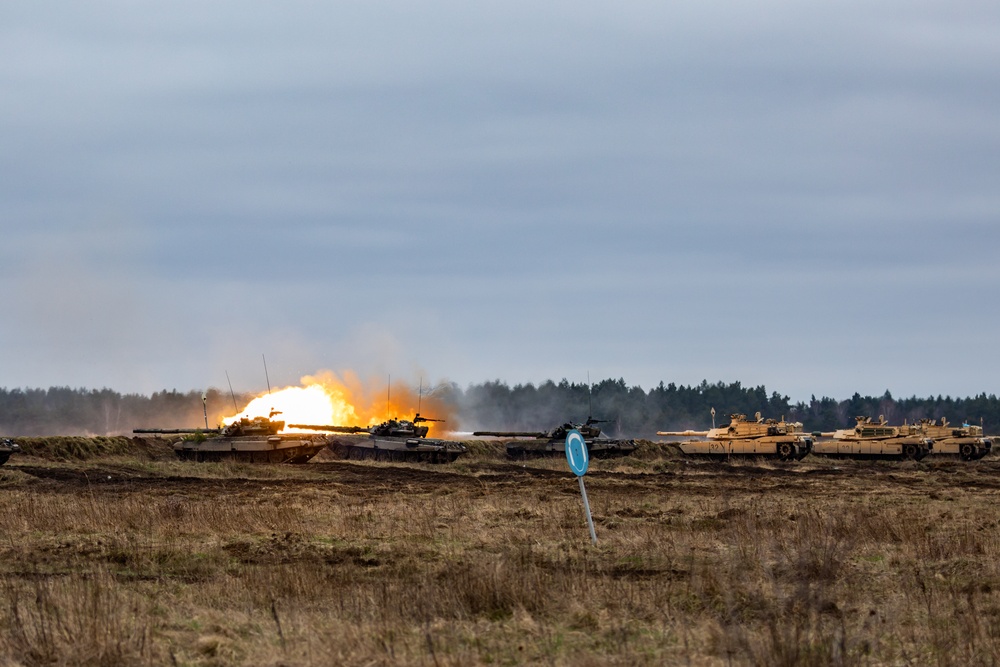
(576, 453)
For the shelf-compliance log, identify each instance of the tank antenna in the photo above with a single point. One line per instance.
(590, 399)
(204, 406)
(420, 392)
(231, 392)
(388, 392)
(265, 375)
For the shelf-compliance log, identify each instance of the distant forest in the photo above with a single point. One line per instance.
(630, 410)
(668, 407)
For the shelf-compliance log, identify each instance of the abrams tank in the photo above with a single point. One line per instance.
(392, 440)
(7, 447)
(744, 437)
(553, 442)
(249, 440)
(875, 440)
(966, 441)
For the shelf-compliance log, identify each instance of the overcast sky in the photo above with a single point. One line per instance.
(799, 195)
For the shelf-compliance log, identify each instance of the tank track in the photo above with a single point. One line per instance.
(294, 456)
(363, 453)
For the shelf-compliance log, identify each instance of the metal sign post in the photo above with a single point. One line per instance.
(579, 461)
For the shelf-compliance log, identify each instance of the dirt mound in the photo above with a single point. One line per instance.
(73, 448)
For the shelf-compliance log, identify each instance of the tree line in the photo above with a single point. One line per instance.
(66, 411)
(629, 411)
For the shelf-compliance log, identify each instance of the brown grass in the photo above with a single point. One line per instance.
(118, 562)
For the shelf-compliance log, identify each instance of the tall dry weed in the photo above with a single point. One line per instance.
(80, 620)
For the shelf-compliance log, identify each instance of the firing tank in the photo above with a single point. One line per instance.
(8, 447)
(248, 440)
(553, 441)
(967, 441)
(392, 440)
(875, 440)
(745, 437)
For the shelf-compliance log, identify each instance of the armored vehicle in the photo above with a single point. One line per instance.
(8, 447)
(392, 440)
(967, 441)
(745, 437)
(875, 440)
(250, 440)
(553, 441)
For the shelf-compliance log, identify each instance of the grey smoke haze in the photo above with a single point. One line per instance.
(800, 196)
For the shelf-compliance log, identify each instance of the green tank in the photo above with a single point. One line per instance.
(392, 440)
(526, 444)
(966, 441)
(248, 440)
(8, 447)
(875, 440)
(745, 437)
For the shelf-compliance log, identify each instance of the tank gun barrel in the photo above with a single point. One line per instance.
(331, 428)
(418, 419)
(511, 434)
(684, 433)
(176, 430)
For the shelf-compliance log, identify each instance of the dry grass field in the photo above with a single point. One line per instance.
(138, 559)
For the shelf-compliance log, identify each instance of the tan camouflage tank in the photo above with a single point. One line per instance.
(875, 440)
(745, 437)
(966, 441)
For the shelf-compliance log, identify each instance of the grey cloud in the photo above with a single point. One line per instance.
(713, 191)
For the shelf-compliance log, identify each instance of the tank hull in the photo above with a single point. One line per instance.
(884, 448)
(785, 449)
(968, 449)
(391, 448)
(252, 449)
(598, 449)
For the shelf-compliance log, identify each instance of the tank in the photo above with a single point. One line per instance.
(966, 441)
(8, 447)
(392, 440)
(553, 441)
(745, 437)
(875, 440)
(248, 440)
